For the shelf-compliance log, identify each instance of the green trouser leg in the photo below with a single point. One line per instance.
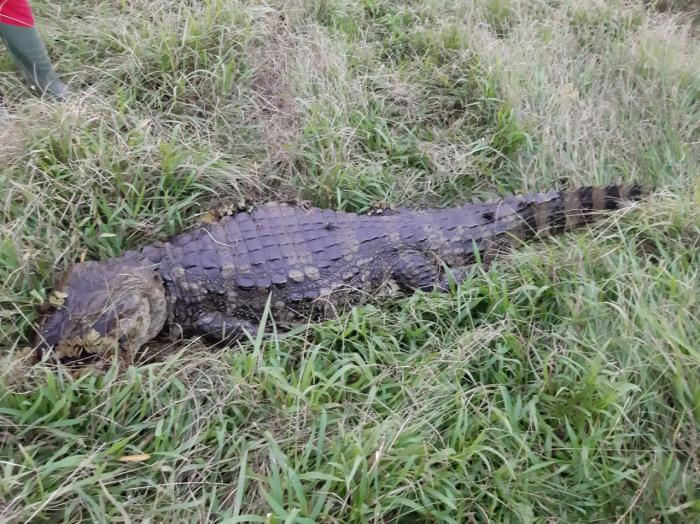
(28, 51)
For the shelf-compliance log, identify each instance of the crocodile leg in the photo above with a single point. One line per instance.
(413, 270)
(220, 327)
(452, 277)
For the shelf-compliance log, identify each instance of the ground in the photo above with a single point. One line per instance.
(561, 385)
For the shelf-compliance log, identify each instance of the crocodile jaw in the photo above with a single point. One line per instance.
(100, 306)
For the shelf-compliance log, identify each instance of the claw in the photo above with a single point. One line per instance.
(215, 215)
(381, 208)
(297, 202)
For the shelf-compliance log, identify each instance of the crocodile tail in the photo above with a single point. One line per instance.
(552, 213)
(584, 204)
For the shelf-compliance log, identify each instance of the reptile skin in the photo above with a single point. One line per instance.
(307, 263)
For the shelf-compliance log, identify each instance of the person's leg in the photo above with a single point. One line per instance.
(27, 49)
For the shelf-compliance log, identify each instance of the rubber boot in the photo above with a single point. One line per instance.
(28, 51)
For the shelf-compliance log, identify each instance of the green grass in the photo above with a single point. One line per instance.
(561, 385)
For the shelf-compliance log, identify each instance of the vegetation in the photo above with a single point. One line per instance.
(561, 385)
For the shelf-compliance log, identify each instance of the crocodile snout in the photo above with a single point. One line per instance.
(100, 306)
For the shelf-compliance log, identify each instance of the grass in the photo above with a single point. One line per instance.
(561, 385)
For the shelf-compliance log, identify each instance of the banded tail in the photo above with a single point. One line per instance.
(542, 214)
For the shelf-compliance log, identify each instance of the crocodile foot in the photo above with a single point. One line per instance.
(381, 208)
(216, 214)
(298, 202)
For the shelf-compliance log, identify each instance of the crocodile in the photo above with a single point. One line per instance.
(296, 263)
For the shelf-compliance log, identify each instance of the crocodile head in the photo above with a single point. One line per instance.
(100, 306)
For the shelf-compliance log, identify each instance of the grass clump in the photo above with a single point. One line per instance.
(560, 384)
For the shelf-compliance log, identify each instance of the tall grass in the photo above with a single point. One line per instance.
(561, 385)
